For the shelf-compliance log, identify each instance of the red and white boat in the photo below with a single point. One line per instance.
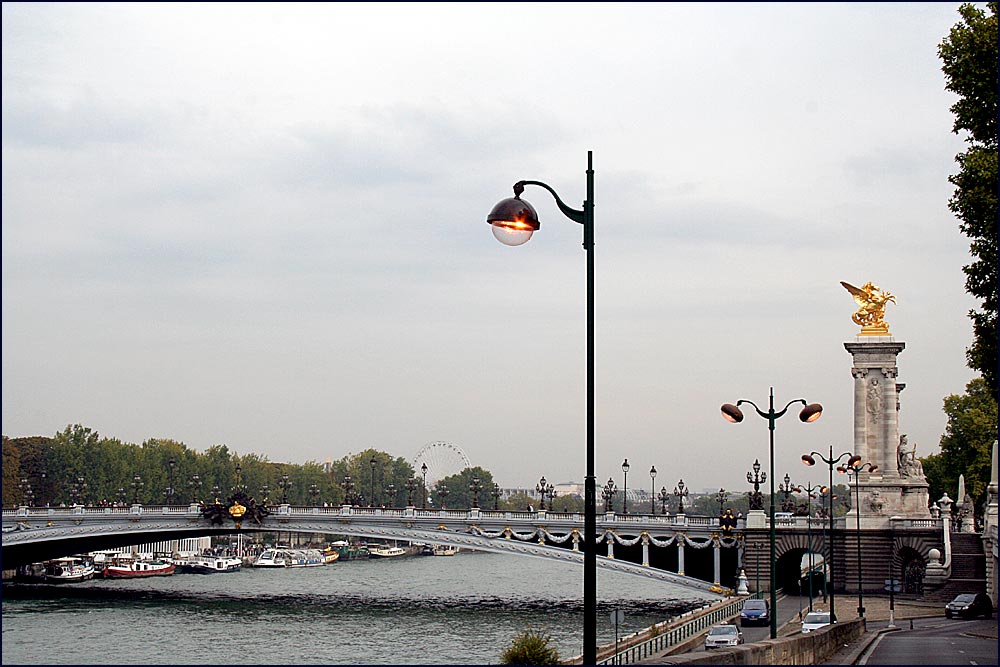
(134, 568)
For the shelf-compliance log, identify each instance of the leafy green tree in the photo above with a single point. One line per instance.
(969, 55)
(519, 502)
(966, 446)
(567, 503)
(531, 647)
(460, 494)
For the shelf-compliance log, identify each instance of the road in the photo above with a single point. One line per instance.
(936, 641)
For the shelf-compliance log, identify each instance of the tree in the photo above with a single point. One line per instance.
(966, 446)
(969, 56)
(531, 647)
(460, 496)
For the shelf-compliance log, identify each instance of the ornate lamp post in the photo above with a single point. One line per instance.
(541, 489)
(121, 495)
(854, 467)
(170, 489)
(27, 495)
(283, 484)
(41, 487)
(787, 505)
(443, 492)
(514, 221)
(411, 486)
(314, 493)
(681, 493)
(194, 484)
(265, 489)
(830, 461)
(608, 494)
(423, 501)
(390, 495)
(495, 492)
(664, 497)
(625, 469)
(348, 486)
(809, 489)
(810, 413)
(756, 500)
(136, 485)
(475, 486)
(721, 497)
(371, 488)
(652, 490)
(552, 496)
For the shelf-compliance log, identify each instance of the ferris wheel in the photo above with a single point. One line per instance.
(442, 459)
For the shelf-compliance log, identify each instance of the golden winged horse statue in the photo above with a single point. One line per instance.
(871, 302)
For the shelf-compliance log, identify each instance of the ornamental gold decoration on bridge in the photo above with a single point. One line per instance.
(871, 301)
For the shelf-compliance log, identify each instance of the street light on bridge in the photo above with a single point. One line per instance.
(854, 467)
(608, 494)
(283, 484)
(495, 492)
(411, 486)
(194, 484)
(514, 220)
(680, 493)
(721, 498)
(170, 489)
(423, 501)
(136, 485)
(809, 460)
(810, 413)
(652, 490)
(475, 486)
(625, 469)
(809, 490)
(664, 497)
(371, 489)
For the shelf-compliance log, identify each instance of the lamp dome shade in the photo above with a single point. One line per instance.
(811, 412)
(514, 220)
(732, 413)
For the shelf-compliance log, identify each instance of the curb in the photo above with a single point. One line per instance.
(862, 645)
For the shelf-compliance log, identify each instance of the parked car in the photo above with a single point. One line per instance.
(755, 612)
(815, 620)
(723, 635)
(969, 605)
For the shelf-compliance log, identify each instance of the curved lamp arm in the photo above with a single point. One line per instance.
(569, 212)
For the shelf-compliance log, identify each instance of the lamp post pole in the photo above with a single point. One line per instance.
(170, 490)
(514, 220)
(625, 469)
(423, 499)
(496, 496)
(853, 468)
(721, 496)
(808, 489)
(664, 497)
(809, 459)
(541, 489)
(652, 490)
(371, 488)
(809, 413)
(681, 494)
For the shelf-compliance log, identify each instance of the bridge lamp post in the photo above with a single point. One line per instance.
(514, 221)
(411, 486)
(625, 469)
(371, 488)
(854, 467)
(283, 484)
(721, 497)
(810, 460)
(652, 490)
(787, 505)
(475, 486)
(496, 496)
(681, 493)
(541, 489)
(265, 489)
(810, 413)
(136, 485)
(195, 485)
(443, 492)
(423, 502)
(664, 498)
(122, 495)
(608, 494)
(348, 486)
(809, 489)
(170, 489)
(390, 495)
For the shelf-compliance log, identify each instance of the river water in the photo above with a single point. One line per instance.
(461, 609)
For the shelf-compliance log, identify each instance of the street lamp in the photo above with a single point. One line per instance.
(170, 489)
(284, 484)
(443, 492)
(314, 492)
(371, 489)
(136, 485)
(495, 492)
(475, 486)
(423, 501)
(625, 468)
(810, 413)
(390, 495)
(348, 486)
(854, 467)
(608, 494)
(664, 497)
(721, 497)
(514, 221)
(541, 489)
(411, 486)
(195, 485)
(756, 500)
(809, 460)
(652, 490)
(809, 489)
(787, 505)
(681, 494)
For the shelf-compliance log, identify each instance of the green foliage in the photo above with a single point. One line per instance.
(966, 446)
(969, 55)
(531, 647)
(460, 494)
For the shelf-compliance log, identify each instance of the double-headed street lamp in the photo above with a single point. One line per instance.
(194, 484)
(809, 490)
(170, 489)
(854, 467)
(625, 469)
(810, 413)
(809, 460)
(514, 221)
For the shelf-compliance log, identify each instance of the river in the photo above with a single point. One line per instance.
(461, 609)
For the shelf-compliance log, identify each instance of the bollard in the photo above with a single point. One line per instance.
(911, 624)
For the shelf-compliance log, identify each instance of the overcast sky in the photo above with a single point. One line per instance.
(263, 226)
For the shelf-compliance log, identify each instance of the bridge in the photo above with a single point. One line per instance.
(33, 534)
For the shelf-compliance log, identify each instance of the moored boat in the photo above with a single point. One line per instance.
(330, 555)
(68, 570)
(212, 565)
(445, 550)
(272, 558)
(385, 552)
(134, 568)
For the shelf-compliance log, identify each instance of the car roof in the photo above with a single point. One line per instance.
(725, 626)
(755, 603)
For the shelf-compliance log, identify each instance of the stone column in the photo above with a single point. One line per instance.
(860, 413)
(645, 549)
(718, 569)
(680, 554)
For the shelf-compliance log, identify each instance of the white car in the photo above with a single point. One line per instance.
(815, 620)
(723, 635)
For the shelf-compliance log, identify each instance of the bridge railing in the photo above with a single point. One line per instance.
(671, 635)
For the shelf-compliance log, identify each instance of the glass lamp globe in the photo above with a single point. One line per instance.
(513, 221)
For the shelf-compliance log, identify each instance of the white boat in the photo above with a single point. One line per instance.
(385, 552)
(68, 570)
(272, 558)
(212, 564)
(445, 550)
(305, 558)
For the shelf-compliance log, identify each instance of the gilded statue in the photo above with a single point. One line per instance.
(871, 302)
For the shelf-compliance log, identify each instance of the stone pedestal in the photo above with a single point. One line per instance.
(899, 488)
(756, 519)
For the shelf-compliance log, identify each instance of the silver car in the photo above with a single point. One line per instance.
(815, 620)
(723, 635)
